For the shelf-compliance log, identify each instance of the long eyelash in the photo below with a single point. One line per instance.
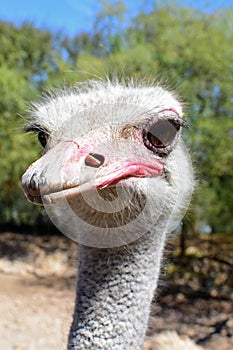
(179, 121)
(182, 122)
(34, 128)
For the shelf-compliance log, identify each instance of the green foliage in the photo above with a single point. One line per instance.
(190, 49)
(22, 60)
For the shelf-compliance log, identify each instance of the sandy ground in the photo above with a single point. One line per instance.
(37, 298)
(33, 316)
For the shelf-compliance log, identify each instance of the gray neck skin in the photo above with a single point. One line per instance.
(114, 292)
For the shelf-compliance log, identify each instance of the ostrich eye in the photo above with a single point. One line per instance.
(161, 135)
(43, 138)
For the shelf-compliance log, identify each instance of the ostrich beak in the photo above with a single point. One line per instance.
(68, 170)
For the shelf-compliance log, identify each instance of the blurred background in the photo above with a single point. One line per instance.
(186, 45)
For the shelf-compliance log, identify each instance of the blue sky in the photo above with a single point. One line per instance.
(73, 16)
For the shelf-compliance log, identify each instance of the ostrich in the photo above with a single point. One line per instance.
(116, 177)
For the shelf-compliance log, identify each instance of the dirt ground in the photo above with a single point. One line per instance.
(37, 283)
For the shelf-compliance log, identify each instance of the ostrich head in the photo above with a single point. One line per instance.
(115, 172)
(113, 159)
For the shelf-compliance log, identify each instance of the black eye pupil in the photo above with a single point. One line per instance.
(42, 137)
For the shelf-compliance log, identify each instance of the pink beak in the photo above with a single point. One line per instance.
(68, 170)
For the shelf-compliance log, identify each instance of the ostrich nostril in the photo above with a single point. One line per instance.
(94, 160)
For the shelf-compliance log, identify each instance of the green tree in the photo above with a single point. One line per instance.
(189, 50)
(26, 58)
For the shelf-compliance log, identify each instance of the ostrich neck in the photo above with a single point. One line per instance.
(114, 292)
